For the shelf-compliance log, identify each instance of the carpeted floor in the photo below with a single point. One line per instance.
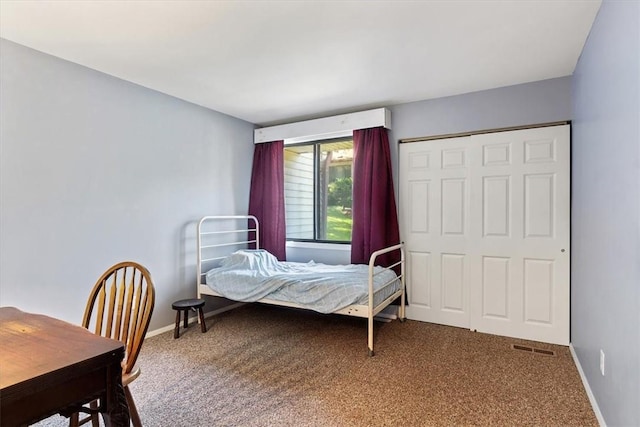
(266, 366)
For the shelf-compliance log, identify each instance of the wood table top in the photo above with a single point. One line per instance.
(34, 345)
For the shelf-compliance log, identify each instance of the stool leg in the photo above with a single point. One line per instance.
(203, 327)
(186, 318)
(176, 330)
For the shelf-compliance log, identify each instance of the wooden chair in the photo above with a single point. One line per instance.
(120, 307)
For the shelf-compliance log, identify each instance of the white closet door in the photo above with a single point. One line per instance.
(486, 223)
(434, 207)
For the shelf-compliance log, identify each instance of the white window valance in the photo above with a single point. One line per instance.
(324, 128)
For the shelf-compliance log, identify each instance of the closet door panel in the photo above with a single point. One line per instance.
(435, 198)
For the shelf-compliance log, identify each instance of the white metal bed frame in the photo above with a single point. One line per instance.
(368, 311)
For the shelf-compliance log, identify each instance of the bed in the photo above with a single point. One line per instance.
(230, 264)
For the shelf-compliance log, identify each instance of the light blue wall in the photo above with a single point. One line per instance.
(319, 252)
(95, 170)
(606, 211)
(530, 103)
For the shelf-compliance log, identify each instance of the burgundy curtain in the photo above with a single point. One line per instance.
(375, 220)
(266, 198)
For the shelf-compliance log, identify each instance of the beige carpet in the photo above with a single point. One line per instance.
(266, 366)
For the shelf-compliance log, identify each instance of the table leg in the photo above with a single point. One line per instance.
(116, 413)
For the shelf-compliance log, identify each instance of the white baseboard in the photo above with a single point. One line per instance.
(193, 319)
(585, 383)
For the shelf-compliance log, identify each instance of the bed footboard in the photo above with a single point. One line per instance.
(373, 310)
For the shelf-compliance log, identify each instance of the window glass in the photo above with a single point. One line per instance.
(318, 190)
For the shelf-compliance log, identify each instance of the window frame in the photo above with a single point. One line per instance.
(316, 150)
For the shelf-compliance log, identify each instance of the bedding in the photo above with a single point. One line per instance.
(251, 275)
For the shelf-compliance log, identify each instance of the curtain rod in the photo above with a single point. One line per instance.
(480, 132)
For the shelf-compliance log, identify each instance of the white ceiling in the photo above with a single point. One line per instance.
(270, 62)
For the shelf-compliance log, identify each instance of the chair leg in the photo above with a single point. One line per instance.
(94, 416)
(176, 330)
(73, 419)
(203, 327)
(133, 411)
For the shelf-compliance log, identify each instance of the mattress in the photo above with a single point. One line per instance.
(251, 275)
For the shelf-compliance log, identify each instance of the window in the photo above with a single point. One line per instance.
(318, 190)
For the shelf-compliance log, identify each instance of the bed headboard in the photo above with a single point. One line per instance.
(219, 236)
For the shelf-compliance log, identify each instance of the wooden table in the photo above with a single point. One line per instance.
(48, 366)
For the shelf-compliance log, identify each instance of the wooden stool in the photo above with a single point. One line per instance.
(185, 305)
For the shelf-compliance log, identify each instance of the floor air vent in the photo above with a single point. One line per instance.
(533, 350)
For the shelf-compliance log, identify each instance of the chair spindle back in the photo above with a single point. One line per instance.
(120, 307)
